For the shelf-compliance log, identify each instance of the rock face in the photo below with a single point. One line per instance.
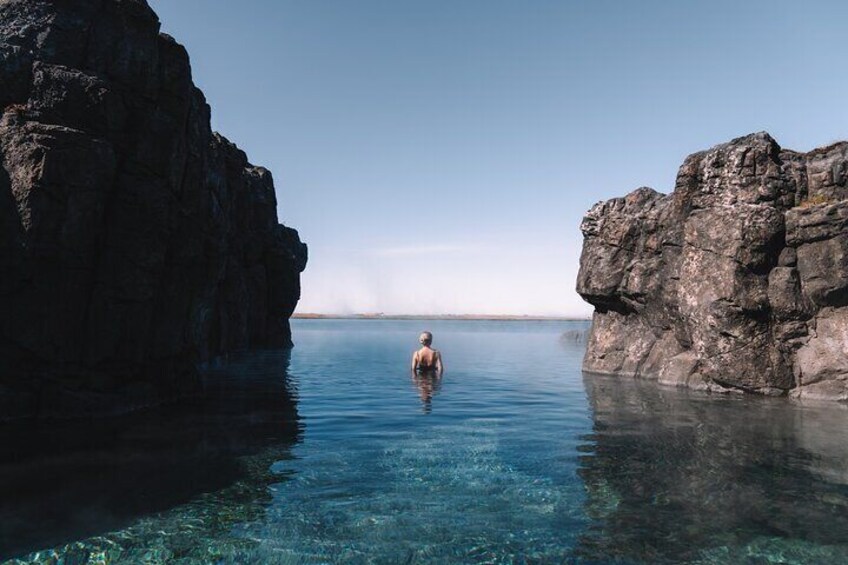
(134, 241)
(737, 280)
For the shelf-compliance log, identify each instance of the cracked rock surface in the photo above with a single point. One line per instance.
(134, 241)
(737, 280)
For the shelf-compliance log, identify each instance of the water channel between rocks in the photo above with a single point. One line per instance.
(336, 453)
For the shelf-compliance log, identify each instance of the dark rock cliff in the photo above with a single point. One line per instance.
(134, 241)
(737, 280)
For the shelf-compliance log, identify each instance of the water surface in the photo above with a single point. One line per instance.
(340, 454)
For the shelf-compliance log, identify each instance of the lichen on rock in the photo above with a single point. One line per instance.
(737, 280)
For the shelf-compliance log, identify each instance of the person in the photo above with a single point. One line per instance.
(427, 359)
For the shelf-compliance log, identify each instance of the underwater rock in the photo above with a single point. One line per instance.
(134, 241)
(737, 280)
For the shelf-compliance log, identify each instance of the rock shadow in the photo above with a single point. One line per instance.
(66, 481)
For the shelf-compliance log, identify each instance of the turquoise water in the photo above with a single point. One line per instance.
(337, 454)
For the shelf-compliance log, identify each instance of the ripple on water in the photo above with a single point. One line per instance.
(513, 457)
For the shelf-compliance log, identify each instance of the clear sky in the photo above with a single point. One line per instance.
(438, 155)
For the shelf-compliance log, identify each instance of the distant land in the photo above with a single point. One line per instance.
(380, 316)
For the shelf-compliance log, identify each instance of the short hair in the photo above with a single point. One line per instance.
(426, 338)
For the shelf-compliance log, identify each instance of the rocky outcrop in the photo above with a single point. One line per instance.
(134, 241)
(737, 280)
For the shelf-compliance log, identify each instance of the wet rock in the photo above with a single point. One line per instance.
(737, 280)
(135, 241)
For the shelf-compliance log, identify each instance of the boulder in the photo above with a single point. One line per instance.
(735, 281)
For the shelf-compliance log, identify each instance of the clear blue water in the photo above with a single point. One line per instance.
(337, 454)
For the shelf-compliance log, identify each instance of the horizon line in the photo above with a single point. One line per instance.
(381, 316)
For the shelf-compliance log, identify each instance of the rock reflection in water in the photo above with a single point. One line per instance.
(65, 481)
(673, 475)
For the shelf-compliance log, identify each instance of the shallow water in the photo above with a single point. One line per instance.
(339, 454)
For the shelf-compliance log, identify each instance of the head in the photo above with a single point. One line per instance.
(426, 338)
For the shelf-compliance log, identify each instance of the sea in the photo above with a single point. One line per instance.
(335, 452)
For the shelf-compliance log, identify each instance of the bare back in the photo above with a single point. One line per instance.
(426, 359)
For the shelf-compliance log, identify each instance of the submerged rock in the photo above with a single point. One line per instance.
(737, 280)
(134, 241)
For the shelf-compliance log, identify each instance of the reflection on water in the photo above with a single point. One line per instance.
(513, 457)
(487, 476)
(63, 481)
(429, 383)
(682, 476)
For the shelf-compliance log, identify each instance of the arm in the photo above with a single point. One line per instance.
(440, 367)
(414, 361)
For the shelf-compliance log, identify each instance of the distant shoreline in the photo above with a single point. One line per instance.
(480, 317)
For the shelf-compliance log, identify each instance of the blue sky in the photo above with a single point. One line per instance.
(437, 156)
